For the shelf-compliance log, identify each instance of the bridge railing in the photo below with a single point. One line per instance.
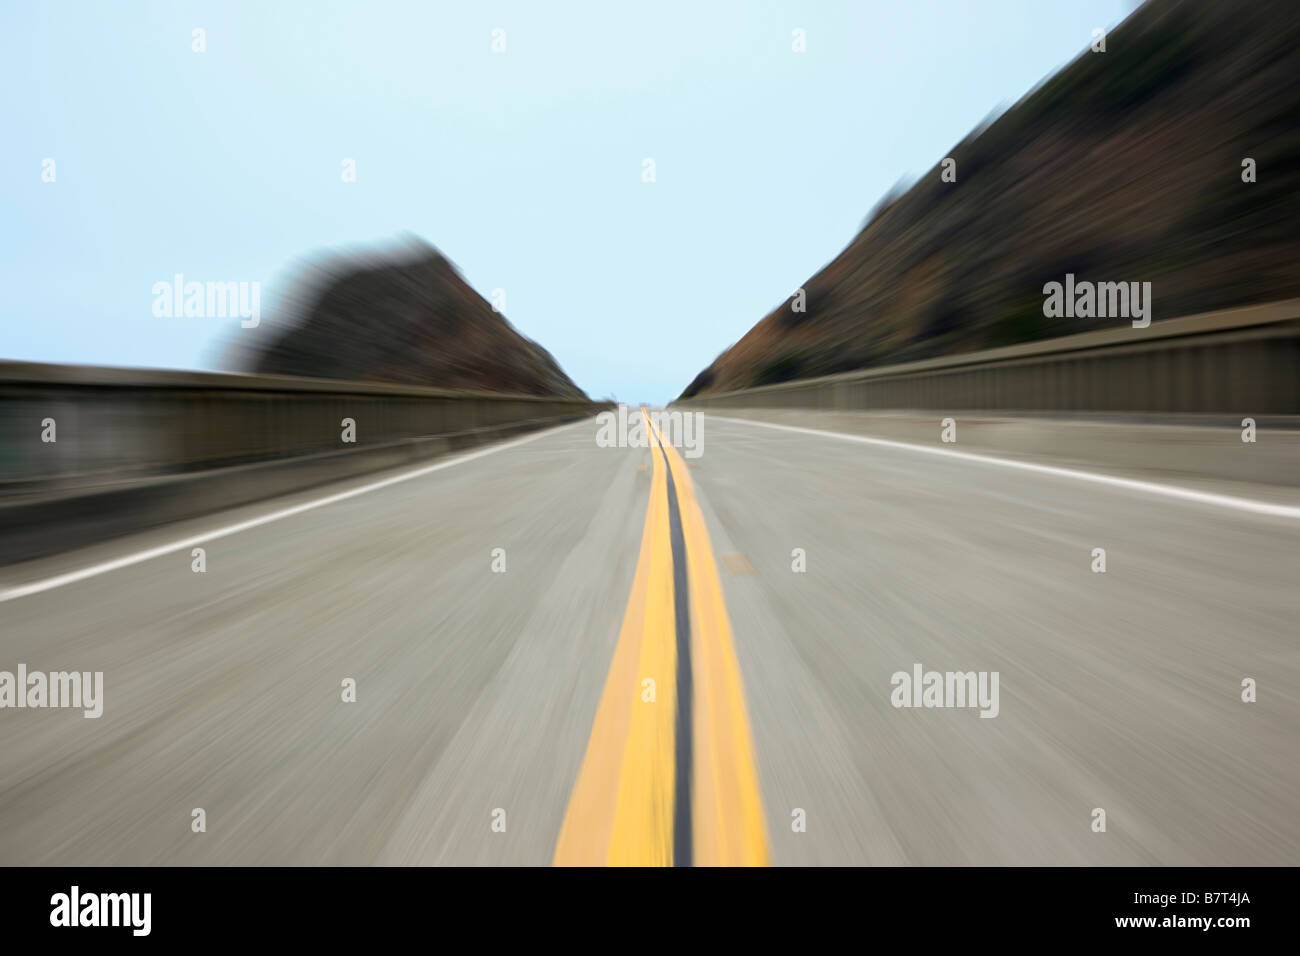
(90, 453)
(75, 424)
(1243, 361)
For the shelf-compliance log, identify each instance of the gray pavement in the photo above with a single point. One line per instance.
(476, 690)
(1119, 690)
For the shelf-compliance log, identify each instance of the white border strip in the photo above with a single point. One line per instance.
(58, 581)
(1250, 505)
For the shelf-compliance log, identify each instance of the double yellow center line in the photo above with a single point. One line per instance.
(669, 776)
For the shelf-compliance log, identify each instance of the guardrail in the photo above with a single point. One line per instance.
(87, 453)
(113, 424)
(1243, 361)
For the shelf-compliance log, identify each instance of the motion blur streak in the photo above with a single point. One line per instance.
(1170, 491)
(621, 811)
(479, 691)
(728, 811)
(71, 577)
(628, 773)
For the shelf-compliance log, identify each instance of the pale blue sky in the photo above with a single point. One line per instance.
(524, 168)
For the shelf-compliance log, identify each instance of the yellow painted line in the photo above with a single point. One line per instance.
(621, 809)
(726, 807)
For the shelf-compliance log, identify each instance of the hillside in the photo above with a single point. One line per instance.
(1124, 166)
(405, 317)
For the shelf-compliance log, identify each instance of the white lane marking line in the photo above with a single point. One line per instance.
(1171, 491)
(59, 580)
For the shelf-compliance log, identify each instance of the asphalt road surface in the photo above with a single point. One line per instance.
(668, 660)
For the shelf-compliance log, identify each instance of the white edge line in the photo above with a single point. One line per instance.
(59, 580)
(1170, 491)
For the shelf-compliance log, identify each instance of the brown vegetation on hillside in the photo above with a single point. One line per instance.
(1124, 166)
(404, 317)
